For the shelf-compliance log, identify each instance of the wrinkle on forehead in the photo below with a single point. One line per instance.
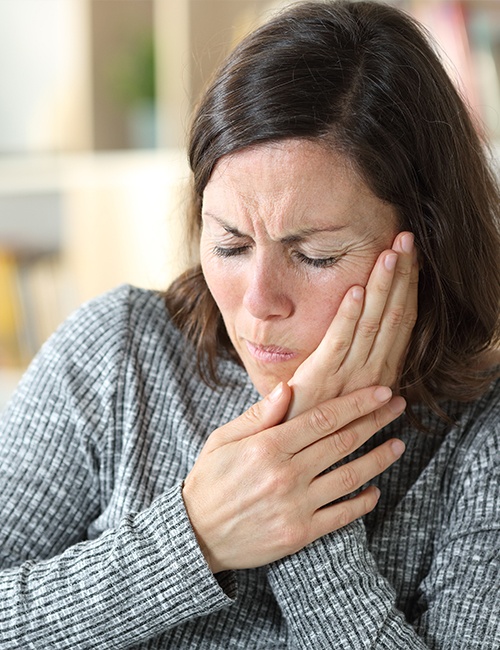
(278, 188)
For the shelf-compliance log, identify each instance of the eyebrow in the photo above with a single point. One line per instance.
(288, 239)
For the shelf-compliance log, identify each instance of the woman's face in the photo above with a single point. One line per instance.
(288, 228)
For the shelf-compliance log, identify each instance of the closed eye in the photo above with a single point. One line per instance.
(231, 251)
(319, 262)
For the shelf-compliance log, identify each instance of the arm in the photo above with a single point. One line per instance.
(57, 438)
(129, 585)
(333, 594)
(459, 599)
(148, 573)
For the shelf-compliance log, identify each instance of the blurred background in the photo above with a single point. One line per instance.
(95, 99)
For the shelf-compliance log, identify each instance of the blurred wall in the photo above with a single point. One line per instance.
(43, 76)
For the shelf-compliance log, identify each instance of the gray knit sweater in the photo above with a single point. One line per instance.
(96, 549)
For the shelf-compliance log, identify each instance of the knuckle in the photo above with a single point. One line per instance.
(322, 419)
(409, 319)
(343, 442)
(405, 270)
(293, 537)
(349, 313)
(257, 451)
(381, 287)
(341, 344)
(368, 327)
(342, 515)
(358, 405)
(413, 285)
(381, 417)
(253, 414)
(370, 500)
(283, 482)
(348, 478)
(395, 317)
(270, 446)
(278, 481)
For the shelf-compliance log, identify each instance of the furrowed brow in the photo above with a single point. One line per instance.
(230, 229)
(288, 239)
(307, 232)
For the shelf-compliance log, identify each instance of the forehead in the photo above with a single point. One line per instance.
(290, 184)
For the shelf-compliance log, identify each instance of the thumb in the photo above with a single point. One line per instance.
(266, 413)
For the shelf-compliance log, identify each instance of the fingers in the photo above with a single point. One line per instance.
(338, 338)
(377, 292)
(348, 478)
(328, 488)
(315, 374)
(265, 414)
(331, 449)
(405, 292)
(328, 417)
(389, 313)
(338, 515)
(368, 337)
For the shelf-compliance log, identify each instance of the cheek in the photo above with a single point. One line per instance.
(320, 300)
(317, 308)
(223, 286)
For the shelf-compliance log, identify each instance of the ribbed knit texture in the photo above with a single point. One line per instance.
(97, 551)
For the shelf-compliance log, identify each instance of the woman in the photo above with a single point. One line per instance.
(330, 148)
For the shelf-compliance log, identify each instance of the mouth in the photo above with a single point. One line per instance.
(270, 353)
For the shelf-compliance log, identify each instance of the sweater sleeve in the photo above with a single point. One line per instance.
(58, 588)
(332, 594)
(459, 599)
(129, 585)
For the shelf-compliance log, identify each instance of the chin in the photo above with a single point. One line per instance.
(264, 384)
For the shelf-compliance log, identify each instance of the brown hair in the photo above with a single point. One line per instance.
(363, 77)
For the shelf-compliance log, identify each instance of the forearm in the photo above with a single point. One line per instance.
(129, 585)
(332, 595)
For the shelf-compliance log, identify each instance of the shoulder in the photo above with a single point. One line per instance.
(89, 350)
(111, 319)
(474, 455)
(478, 422)
(130, 330)
(117, 307)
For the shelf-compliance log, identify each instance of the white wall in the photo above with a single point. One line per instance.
(43, 76)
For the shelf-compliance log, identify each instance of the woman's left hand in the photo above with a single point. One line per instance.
(367, 340)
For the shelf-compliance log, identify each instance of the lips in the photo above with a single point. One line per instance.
(270, 353)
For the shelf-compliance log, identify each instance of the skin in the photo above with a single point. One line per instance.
(329, 336)
(277, 287)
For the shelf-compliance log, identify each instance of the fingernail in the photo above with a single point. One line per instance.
(390, 261)
(276, 393)
(398, 404)
(357, 293)
(398, 447)
(382, 393)
(407, 243)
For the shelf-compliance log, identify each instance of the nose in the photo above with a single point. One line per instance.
(268, 291)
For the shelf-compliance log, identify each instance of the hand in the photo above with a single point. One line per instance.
(256, 493)
(367, 340)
